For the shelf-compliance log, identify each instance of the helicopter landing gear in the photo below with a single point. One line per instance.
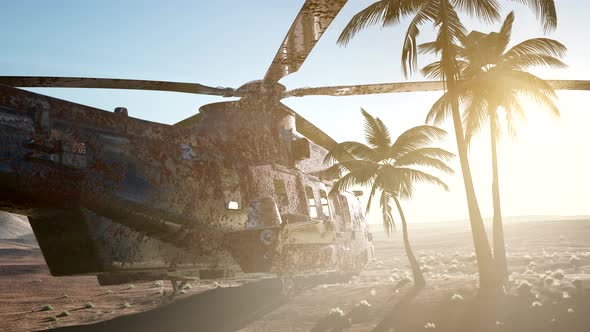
(288, 285)
(177, 286)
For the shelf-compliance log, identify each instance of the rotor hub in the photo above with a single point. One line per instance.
(260, 87)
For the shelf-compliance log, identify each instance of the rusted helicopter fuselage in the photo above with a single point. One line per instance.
(109, 194)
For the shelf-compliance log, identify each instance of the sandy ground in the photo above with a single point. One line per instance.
(539, 252)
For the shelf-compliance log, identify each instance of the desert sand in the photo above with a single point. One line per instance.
(546, 257)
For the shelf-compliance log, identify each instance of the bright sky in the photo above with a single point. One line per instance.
(228, 43)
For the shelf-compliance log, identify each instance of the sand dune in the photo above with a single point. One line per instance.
(15, 227)
(537, 253)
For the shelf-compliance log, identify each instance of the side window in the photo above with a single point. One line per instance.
(336, 205)
(345, 209)
(325, 205)
(230, 185)
(313, 210)
(356, 212)
(281, 192)
(232, 205)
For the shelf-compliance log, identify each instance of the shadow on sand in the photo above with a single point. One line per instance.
(490, 313)
(220, 309)
(398, 310)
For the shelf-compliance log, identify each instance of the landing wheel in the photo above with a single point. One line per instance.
(288, 285)
(361, 261)
(177, 286)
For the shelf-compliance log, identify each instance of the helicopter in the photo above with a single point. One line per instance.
(236, 188)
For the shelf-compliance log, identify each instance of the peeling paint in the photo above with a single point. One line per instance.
(154, 197)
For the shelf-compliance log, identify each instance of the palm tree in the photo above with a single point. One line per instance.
(446, 20)
(390, 168)
(495, 78)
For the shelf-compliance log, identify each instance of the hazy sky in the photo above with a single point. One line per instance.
(228, 43)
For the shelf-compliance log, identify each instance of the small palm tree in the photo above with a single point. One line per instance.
(494, 78)
(391, 168)
(443, 14)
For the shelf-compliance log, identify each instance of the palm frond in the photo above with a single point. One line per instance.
(385, 12)
(522, 80)
(545, 11)
(533, 60)
(505, 32)
(433, 71)
(514, 112)
(350, 150)
(414, 175)
(359, 167)
(426, 12)
(332, 172)
(542, 100)
(372, 15)
(541, 46)
(371, 195)
(405, 188)
(438, 153)
(513, 109)
(512, 103)
(440, 110)
(349, 180)
(428, 48)
(376, 132)
(415, 138)
(387, 212)
(486, 10)
(398, 9)
(412, 159)
(475, 116)
(497, 135)
(450, 30)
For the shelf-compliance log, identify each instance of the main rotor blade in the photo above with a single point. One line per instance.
(112, 83)
(368, 89)
(570, 84)
(365, 89)
(309, 130)
(313, 19)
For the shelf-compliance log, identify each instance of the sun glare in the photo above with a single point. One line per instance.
(548, 158)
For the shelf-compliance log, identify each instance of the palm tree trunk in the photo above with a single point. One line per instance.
(419, 281)
(487, 275)
(498, 229)
(488, 280)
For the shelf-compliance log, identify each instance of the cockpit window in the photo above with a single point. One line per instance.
(230, 185)
(281, 192)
